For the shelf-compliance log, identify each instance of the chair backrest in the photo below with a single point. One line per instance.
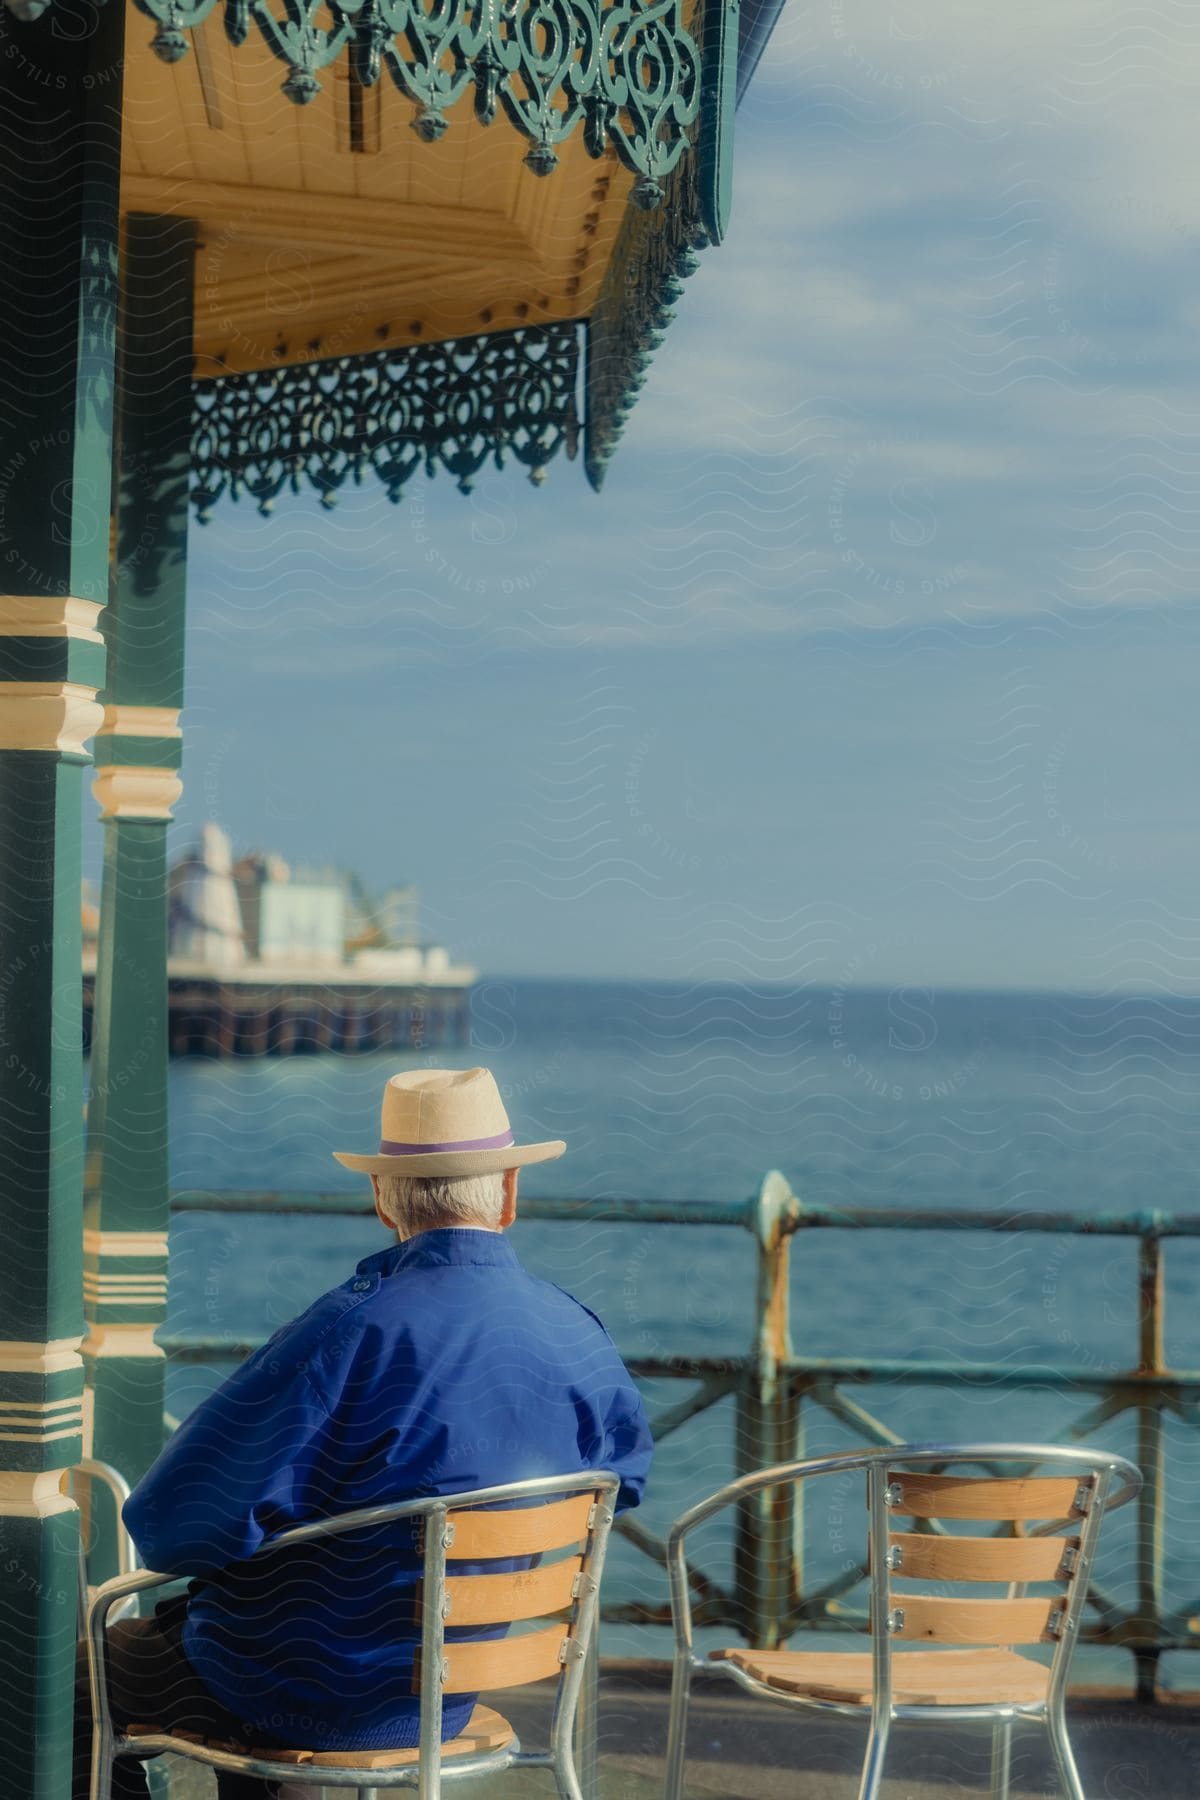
(519, 1520)
(566, 1519)
(1045, 1529)
(572, 1530)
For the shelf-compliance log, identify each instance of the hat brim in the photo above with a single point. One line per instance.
(453, 1162)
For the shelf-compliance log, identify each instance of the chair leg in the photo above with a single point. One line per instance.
(102, 1763)
(586, 1717)
(872, 1773)
(677, 1730)
(1068, 1774)
(1001, 1759)
(566, 1777)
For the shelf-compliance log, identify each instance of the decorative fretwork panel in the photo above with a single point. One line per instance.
(457, 405)
(625, 71)
(653, 257)
(655, 252)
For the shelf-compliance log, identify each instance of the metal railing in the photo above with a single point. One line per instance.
(768, 1598)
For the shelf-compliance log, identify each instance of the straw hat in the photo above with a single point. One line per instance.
(446, 1122)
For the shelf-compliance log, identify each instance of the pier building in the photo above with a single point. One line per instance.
(263, 961)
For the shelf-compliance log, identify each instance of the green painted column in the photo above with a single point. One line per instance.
(60, 98)
(137, 782)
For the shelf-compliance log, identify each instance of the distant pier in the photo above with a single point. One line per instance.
(269, 1011)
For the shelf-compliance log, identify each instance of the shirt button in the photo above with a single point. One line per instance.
(362, 1287)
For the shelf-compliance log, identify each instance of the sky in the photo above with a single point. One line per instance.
(876, 658)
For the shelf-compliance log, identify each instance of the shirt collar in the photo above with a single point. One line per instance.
(450, 1247)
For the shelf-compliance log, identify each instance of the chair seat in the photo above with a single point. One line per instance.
(486, 1730)
(919, 1677)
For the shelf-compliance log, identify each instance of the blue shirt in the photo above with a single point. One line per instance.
(440, 1366)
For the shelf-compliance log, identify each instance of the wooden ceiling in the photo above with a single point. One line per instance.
(331, 229)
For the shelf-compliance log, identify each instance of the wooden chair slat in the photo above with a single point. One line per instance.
(504, 1662)
(961, 1621)
(186, 1737)
(985, 1496)
(520, 1531)
(485, 1730)
(502, 1599)
(926, 1558)
(919, 1677)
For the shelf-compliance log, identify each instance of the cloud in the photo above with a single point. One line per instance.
(948, 345)
(941, 373)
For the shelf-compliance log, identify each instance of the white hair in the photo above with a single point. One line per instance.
(415, 1203)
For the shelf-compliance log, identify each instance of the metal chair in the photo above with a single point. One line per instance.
(566, 1513)
(103, 1474)
(990, 1681)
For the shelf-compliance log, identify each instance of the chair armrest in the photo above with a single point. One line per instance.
(93, 1470)
(107, 1595)
(733, 1492)
(103, 1600)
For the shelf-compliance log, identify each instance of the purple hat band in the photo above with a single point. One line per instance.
(500, 1142)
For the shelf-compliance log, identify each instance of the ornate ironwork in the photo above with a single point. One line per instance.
(457, 405)
(655, 252)
(645, 278)
(629, 71)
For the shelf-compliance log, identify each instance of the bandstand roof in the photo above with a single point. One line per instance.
(332, 228)
(366, 214)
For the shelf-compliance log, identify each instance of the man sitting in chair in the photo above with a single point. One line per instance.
(439, 1367)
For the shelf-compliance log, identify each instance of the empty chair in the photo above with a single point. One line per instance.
(559, 1525)
(1046, 1512)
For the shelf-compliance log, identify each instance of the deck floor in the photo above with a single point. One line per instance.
(743, 1749)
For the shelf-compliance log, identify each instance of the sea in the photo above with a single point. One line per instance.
(909, 1099)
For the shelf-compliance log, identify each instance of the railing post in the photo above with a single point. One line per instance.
(1151, 1457)
(766, 1554)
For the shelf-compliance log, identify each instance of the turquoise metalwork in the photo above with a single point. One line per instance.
(628, 70)
(771, 1386)
(655, 254)
(457, 405)
(637, 302)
